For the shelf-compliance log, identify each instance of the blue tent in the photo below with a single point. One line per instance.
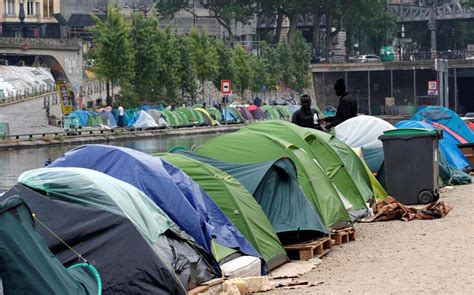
(82, 116)
(448, 144)
(108, 119)
(172, 190)
(446, 117)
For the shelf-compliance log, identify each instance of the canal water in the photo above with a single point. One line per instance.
(13, 163)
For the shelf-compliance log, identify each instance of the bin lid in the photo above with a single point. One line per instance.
(407, 133)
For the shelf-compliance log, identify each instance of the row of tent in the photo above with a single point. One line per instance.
(158, 117)
(166, 223)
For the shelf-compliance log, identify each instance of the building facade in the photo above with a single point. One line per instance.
(29, 18)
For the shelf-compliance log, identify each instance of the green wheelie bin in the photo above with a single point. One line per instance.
(412, 164)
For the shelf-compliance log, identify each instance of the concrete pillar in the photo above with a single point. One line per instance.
(432, 27)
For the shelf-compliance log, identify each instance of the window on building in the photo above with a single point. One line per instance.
(48, 8)
(30, 7)
(10, 7)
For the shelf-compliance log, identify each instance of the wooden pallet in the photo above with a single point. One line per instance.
(343, 236)
(309, 250)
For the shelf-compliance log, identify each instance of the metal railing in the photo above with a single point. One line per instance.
(26, 93)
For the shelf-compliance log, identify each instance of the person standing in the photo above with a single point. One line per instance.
(257, 101)
(346, 109)
(120, 115)
(304, 117)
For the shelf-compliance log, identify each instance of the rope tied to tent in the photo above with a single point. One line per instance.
(59, 239)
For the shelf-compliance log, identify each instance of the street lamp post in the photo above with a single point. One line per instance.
(21, 16)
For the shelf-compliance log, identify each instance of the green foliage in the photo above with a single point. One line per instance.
(225, 69)
(144, 37)
(113, 55)
(242, 68)
(270, 60)
(204, 57)
(373, 23)
(284, 57)
(300, 53)
(186, 72)
(168, 77)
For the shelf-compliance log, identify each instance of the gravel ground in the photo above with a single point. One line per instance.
(396, 257)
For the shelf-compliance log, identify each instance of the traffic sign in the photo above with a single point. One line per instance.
(225, 87)
(433, 88)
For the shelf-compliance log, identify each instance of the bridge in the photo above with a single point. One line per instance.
(431, 13)
(64, 55)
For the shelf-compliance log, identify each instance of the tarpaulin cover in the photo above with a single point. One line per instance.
(84, 117)
(448, 144)
(26, 264)
(316, 144)
(172, 190)
(275, 187)
(446, 117)
(237, 203)
(246, 146)
(98, 190)
(127, 263)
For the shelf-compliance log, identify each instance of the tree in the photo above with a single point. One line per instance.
(204, 58)
(113, 51)
(284, 57)
(260, 79)
(226, 12)
(242, 68)
(300, 53)
(168, 77)
(225, 70)
(144, 36)
(374, 22)
(186, 72)
(271, 63)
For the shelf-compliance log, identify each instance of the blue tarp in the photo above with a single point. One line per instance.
(448, 144)
(446, 117)
(172, 190)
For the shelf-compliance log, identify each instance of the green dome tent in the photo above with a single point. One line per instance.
(237, 203)
(215, 114)
(354, 187)
(247, 146)
(271, 112)
(27, 266)
(171, 118)
(275, 187)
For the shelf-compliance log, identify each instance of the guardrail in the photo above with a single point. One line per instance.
(101, 132)
(27, 93)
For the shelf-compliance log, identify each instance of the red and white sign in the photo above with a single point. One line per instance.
(225, 87)
(433, 88)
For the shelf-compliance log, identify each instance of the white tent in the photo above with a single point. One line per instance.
(145, 121)
(363, 132)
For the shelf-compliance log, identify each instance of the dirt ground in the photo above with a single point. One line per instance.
(396, 257)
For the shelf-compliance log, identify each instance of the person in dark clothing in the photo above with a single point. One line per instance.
(347, 106)
(257, 101)
(304, 117)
